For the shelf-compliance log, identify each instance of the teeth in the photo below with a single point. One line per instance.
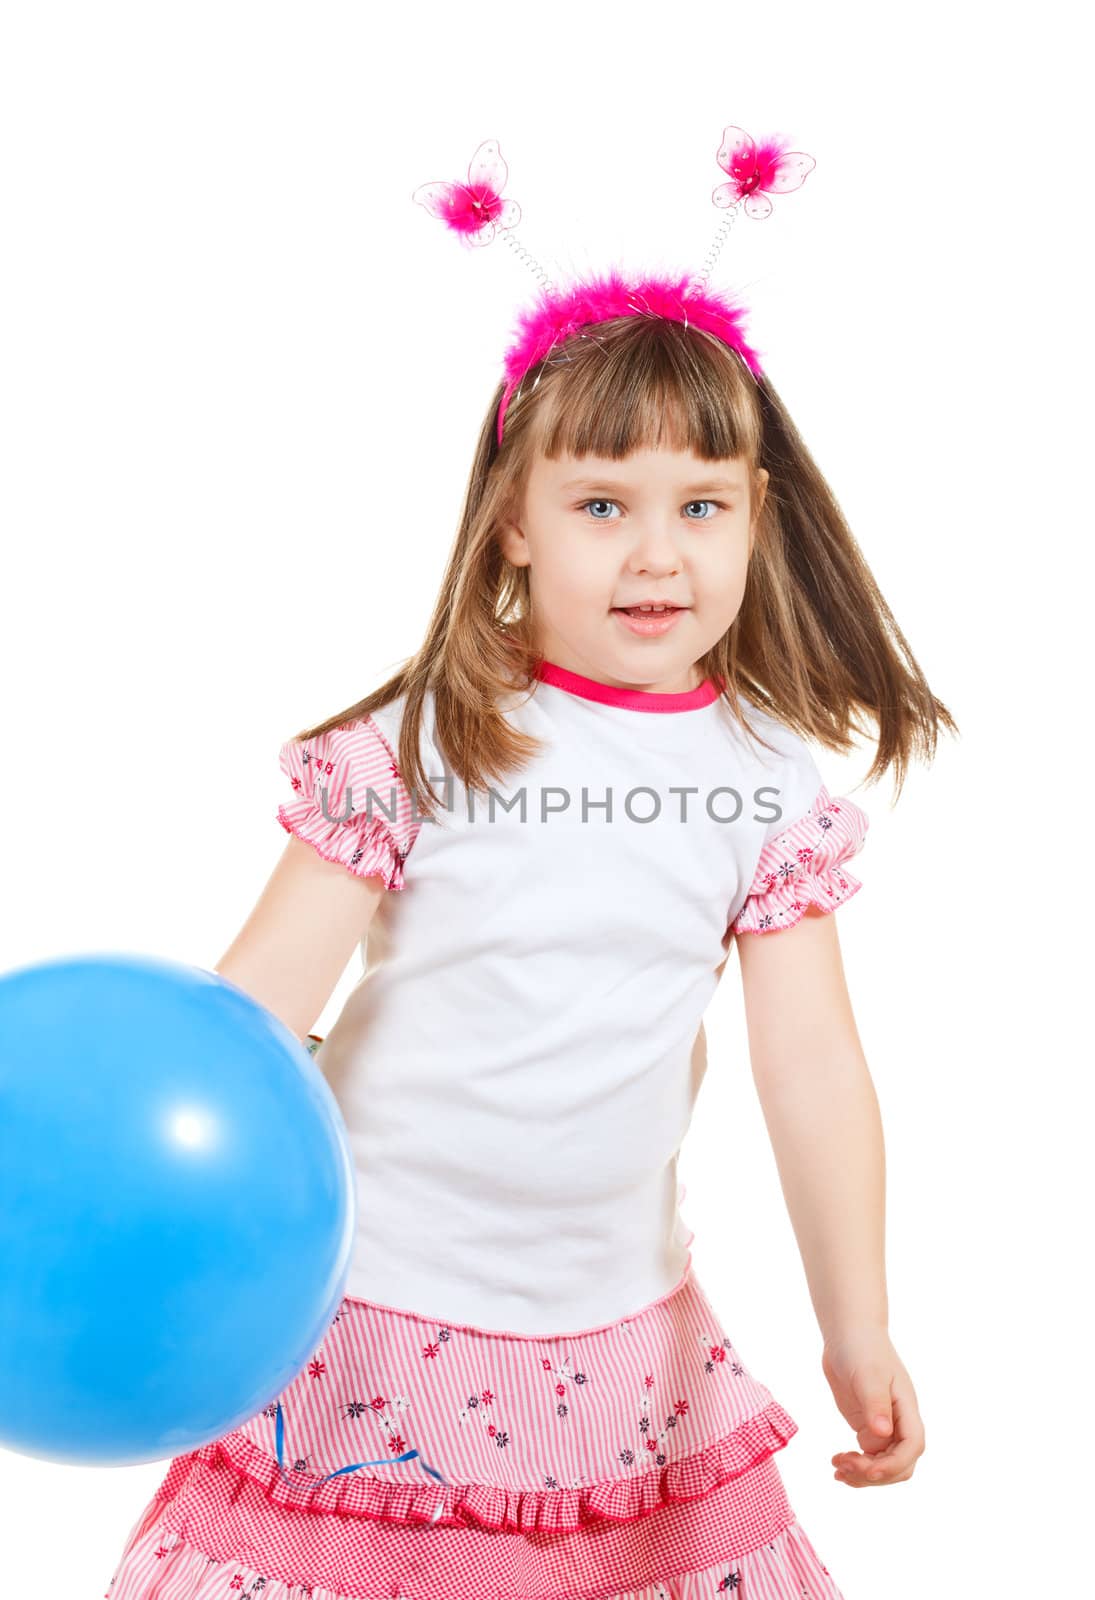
(651, 608)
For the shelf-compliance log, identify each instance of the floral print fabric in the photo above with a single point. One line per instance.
(352, 805)
(804, 865)
(633, 1461)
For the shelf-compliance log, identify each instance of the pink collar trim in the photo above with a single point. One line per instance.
(627, 699)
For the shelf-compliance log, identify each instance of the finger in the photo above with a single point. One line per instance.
(872, 1390)
(908, 1423)
(873, 1468)
(904, 1452)
(867, 1476)
(906, 1441)
(875, 1450)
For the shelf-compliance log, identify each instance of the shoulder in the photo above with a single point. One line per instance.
(349, 800)
(807, 841)
(358, 752)
(784, 771)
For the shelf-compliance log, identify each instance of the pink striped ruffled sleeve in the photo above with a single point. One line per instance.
(804, 865)
(351, 803)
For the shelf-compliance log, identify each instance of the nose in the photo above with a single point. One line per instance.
(654, 551)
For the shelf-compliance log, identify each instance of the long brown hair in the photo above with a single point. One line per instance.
(814, 642)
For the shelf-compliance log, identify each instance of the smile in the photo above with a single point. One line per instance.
(649, 624)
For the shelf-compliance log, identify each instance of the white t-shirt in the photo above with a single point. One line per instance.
(518, 1064)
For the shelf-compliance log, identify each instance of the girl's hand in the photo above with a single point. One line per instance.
(875, 1395)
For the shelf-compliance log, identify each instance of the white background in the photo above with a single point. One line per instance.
(241, 375)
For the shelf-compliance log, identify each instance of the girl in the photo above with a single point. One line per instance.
(546, 831)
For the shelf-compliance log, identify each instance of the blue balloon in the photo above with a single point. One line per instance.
(177, 1206)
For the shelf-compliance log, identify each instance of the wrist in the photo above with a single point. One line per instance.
(855, 1330)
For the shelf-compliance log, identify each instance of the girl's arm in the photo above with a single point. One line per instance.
(823, 1119)
(294, 946)
(821, 1112)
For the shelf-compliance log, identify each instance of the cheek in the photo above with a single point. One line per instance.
(564, 589)
(723, 576)
(571, 571)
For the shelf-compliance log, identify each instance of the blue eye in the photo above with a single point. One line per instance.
(585, 505)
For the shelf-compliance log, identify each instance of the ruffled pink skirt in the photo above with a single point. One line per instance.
(633, 1461)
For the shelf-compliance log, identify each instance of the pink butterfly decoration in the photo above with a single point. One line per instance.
(758, 170)
(474, 210)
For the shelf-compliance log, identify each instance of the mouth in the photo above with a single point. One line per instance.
(648, 621)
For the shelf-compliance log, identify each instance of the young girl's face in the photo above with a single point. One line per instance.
(600, 535)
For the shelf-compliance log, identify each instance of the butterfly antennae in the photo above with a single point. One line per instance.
(755, 171)
(530, 261)
(721, 235)
(476, 211)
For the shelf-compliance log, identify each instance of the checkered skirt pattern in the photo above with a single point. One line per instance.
(631, 1461)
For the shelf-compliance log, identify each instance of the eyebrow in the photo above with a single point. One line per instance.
(722, 485)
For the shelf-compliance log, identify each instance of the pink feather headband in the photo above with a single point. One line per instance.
(475, 211)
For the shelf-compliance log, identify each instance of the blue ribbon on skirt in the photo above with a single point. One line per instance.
(381, 1461)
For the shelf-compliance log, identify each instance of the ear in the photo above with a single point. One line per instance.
(514, 545)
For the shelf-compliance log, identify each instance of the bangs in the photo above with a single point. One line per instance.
(639, 383)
